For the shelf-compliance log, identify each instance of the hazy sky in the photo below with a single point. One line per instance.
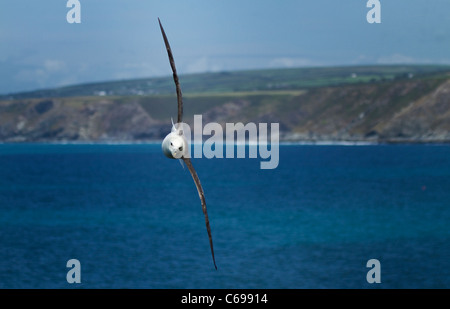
(120, 39)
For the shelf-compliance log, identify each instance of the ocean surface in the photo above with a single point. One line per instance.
(133, 219)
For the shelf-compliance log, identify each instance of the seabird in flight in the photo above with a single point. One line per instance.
(175, 146)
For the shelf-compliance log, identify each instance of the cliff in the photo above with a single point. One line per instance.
(407, 109)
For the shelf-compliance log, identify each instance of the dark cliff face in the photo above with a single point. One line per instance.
(410, 110)
(425, 119)
(80, 119)
(399, 111)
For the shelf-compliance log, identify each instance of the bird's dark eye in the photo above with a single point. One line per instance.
(180, 149)
(171, 144)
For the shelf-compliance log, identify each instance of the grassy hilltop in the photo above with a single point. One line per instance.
(366, 103)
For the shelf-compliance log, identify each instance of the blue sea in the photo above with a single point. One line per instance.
(133, 218)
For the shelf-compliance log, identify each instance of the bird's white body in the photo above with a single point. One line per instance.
(174, 145)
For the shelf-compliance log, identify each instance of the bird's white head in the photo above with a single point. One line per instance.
(174, 145)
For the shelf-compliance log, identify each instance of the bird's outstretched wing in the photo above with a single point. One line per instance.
(175, 75)
(202, 199)
(187, 161)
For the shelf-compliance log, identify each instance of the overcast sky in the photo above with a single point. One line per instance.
(120, 39)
